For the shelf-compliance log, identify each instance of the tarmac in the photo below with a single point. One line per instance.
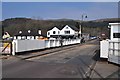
(102, 69)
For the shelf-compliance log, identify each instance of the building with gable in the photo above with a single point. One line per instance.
(65, 32)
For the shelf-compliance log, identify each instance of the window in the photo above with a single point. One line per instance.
(48, 33)
(58, 32)
(23, 37)
(39, 32)
(66, 27)
(67, 32)
(54, 32)
(116, 35)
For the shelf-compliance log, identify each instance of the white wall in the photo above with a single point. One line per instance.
(57, 31)
(27, 45)
(104, 45)
(67, 28)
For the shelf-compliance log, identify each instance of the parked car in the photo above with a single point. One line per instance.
(93, 37)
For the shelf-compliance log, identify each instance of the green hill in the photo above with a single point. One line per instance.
(96, 27)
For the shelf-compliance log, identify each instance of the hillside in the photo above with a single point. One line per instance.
(14, 25)
(108, 20)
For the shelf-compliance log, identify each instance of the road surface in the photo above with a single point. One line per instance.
(75, 62)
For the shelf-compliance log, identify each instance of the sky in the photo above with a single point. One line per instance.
(60, 0)
(60, 10)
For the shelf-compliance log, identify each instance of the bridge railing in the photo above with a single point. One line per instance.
(114, 52)
(29, 45)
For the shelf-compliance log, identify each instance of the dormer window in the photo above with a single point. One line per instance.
(29, 31)
(20, 32)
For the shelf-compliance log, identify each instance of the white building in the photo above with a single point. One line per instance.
(115, 31)
(65, 31)
(111, 48)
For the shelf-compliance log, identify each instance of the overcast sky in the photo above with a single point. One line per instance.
(58, 10)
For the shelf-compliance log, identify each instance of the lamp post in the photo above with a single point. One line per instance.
(80, 27)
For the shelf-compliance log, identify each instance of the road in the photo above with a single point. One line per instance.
(75, 62)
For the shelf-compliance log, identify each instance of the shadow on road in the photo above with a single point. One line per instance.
(96, 57)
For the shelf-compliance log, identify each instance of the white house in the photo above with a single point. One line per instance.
(28, 34)
(65, 31)
(53, 32)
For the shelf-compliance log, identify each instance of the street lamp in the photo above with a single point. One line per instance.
(80, 28)
(84, 16)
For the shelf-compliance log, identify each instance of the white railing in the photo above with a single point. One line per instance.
(114, 52)
(111, 50)
(28, 45)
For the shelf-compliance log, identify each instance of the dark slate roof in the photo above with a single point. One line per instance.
(74, 28)
(25, 33)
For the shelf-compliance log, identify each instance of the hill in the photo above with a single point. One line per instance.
(108, 20)
(14, 25)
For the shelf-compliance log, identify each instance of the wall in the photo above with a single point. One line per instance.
(28, 45)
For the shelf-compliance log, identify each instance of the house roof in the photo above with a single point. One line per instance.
(53, 28)
(61, 27)
(43, 31)
(25, 33)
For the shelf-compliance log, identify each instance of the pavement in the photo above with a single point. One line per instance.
(106, 70)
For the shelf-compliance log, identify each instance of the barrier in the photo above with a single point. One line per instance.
(111, 50)
(28, 45)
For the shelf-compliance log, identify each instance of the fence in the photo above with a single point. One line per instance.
(111, 50)
(114, 52)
